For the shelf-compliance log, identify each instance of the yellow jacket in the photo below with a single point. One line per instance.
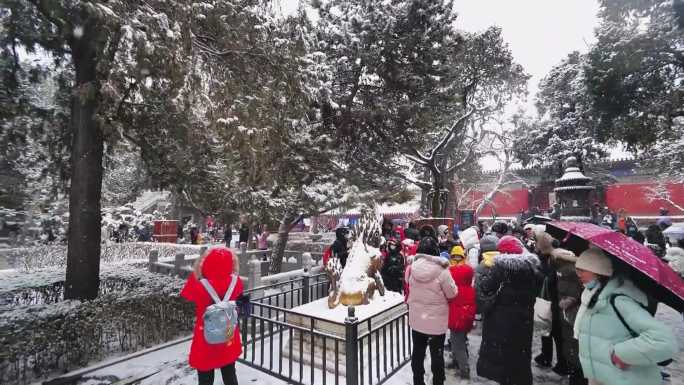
(488, 258)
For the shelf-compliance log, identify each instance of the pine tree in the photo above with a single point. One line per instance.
(566, 124)
(634, 71)
(109, 57)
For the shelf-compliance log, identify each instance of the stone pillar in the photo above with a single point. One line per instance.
(254, 275)
(153, 259)
(307, 262)
(178, 262)
(243, 251)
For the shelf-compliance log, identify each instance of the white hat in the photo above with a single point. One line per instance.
(595, 260)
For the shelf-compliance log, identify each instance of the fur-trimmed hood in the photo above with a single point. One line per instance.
(544, 241)
(564, 255)
(220, 265)
(516, 261)
(428, 267)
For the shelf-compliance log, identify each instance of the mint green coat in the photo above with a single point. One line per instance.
(601, 332)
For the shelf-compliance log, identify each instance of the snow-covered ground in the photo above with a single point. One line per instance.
(168, 366)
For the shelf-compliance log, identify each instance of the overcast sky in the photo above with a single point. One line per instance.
(540, 32)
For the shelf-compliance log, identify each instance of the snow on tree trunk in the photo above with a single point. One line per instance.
(83, 255)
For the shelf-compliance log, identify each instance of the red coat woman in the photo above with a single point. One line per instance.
(216, 266)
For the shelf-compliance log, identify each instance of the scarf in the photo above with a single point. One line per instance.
(585, 298)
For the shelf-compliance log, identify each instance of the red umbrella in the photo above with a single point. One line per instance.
(654, 274)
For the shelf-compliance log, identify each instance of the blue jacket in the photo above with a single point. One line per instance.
(601, 333)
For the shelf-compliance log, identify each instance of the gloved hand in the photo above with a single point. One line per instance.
(244, 305)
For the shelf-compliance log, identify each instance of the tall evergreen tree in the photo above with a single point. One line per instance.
(634, 71)
(111, 57)
(566, 124)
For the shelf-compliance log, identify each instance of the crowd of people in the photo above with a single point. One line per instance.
(495, 274)
(602, 325)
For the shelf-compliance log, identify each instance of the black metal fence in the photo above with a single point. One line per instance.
(308, 349)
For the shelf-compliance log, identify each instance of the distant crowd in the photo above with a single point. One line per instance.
(599, 322)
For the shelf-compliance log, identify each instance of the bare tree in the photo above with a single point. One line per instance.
(659, 192)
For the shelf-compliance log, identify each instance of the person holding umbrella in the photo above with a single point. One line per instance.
(620, 342)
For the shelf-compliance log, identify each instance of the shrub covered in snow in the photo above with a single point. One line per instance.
(36, 257)
(40, 333)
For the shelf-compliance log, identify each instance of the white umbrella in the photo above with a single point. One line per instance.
(676, 231)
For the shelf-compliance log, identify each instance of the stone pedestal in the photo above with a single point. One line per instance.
(332, 322)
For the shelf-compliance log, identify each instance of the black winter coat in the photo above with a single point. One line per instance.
(508, 291)
(412, 233)
(393, 271)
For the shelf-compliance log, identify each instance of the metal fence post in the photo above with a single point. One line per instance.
(178, 262)
(305, 287)
(351, 334)
(153, 259)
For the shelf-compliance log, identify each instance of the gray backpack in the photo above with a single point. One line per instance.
(220, 318)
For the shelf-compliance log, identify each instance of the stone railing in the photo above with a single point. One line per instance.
(253, 269)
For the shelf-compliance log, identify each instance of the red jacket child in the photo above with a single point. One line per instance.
(217, 267)
(462, 307)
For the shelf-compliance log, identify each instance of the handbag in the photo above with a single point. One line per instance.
(629, 329)
(543, 316)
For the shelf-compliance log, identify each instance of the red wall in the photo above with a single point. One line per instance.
(506, 203)
(633, 198)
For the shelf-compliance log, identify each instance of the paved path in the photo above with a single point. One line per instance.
(168, 366)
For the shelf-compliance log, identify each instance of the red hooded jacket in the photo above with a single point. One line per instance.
(217, 267)
(462, 307)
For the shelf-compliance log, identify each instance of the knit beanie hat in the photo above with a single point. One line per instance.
(595, 260)
(457, 251)
(509, 244)
(488, 243)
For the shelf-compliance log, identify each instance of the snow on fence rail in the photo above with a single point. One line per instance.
(253, 268)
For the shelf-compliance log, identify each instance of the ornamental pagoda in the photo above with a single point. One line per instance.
(573, 191)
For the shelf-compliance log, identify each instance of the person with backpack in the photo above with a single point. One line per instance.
(392, 270)
(461, 310)
(620, 342)
(217, 292)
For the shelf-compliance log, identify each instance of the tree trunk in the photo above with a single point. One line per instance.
(437, 186)
(279, 247)
(83, 255)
